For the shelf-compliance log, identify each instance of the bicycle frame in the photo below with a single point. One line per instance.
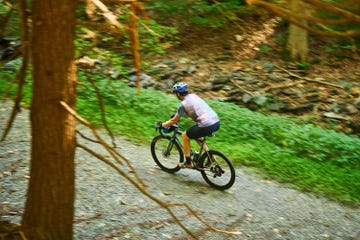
(175, 137)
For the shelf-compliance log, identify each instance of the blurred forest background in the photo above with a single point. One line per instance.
(284, 76)
(313, 56)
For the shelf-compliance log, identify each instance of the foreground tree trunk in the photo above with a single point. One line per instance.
(298, 37)
(49, 206)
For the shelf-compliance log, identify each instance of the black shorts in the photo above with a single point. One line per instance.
(195, 131)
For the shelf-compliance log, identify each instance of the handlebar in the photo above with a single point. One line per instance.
(169, 129)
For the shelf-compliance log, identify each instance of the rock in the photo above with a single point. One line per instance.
(351, 109)
(235, 91)
(145, 80)
(114, 73)
(247, 98)
(184, 60)
(336, 107)
(239, 38)
(268, 67)
(260, 100)
(276, 78)
(355, 91)
(217, 87)
(357, 102)
(336, 116)
(221, 80)
(299, 110)
(161, 65)
(13, 65)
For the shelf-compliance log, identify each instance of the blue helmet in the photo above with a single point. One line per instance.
(180, 87)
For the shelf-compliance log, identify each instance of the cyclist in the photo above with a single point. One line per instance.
(207, 121)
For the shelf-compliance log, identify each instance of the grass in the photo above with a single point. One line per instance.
(292, 152)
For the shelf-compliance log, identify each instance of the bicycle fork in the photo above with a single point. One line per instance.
(170, 146)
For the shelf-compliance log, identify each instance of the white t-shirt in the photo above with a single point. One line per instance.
(198, 110)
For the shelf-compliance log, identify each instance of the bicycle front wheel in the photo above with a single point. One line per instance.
(166, 153)
(217, 170)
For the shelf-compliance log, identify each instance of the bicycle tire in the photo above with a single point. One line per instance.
(166, 161)
(219, 174)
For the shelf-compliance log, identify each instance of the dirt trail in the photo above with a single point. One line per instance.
(109, 207)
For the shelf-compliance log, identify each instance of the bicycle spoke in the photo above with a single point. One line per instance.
(166, 154)
(218, 170)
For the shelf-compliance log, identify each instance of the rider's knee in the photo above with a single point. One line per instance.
(185, 136)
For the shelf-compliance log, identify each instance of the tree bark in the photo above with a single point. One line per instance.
(298, 37)
(49, 207)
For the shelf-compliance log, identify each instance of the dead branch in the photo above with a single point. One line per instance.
(331, 8)
(22, 74)
(309, 79)
(295, 18)
(279, 86)
(86, 138)
(101, 104)
(241, 88)
(203, 222)
(108, 15)
(111, 18)
(110, 150)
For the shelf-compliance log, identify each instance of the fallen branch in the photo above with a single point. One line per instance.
(310, 80)
(241, 88)
(279, 86)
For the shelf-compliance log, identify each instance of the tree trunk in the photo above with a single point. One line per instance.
(49, 206)
(298, 37)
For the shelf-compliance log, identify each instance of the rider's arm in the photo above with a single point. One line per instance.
(171, 121)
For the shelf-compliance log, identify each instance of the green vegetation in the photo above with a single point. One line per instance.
(203, 12)
(302, 155)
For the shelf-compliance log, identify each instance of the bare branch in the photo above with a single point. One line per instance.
(101, 103)
(331, 8)
(295, 17)
(22, 73)
(111, 150)
(309, 79)
(109, 16)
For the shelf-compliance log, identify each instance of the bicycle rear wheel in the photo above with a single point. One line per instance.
(166, 154)
(217, 170)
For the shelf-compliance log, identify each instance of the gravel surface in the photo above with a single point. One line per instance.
(109, 207)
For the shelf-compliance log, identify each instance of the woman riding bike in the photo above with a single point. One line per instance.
(207, 121)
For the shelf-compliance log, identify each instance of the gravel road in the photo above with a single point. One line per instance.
(109, 207)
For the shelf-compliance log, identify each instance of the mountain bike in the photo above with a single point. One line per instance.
(216, 169)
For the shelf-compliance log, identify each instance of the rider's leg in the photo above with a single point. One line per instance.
(202, 144)
(186, 147)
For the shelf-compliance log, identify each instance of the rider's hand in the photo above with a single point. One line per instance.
(158, 124)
